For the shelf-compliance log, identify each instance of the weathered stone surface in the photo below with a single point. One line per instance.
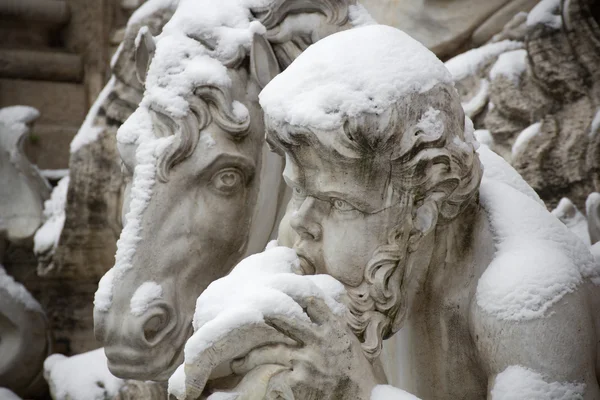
(552, 95)
(441, 248)
(216, 193)
(43, 65)
(48, 146)
(447, 26)
(62, 103)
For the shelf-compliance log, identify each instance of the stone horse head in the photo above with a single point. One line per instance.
(204, 191)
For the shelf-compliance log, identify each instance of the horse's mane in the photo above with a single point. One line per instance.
(213, 102)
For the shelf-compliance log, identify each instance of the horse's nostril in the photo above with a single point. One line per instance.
(155, 325)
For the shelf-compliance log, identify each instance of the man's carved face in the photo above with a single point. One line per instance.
(341, 211)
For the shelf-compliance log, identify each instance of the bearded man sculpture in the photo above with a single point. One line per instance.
(423, 231)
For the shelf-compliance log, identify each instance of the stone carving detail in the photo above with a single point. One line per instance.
(535, 89)
(24, 333)
(483, 291)
(85, 247)
(198, 166)
(448, 27)
(24, 339)
(21, 207)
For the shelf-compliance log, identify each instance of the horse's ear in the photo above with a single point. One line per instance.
(263, 63)
(144, 51)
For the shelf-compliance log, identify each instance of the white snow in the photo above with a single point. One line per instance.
(359, 16)
(54, 174)
(595, 124)
(546, 12)
(17, 117)
(150, 7)
(144, 295)
(477, 102)
(387, 392)
(6, 394)
(362, 70)
(471, 62)
(207, 140)
(17, 292)
(495, 168)
(81, 377)
(181, 63)
(592, 200)
(511, 65)
(484, 137)
(47, 236)
(137, 129)
(519, 383)
(257, 286)
(88, 133)
(524, 137)
(431, 123)
(569, 215)
(261, 285)
(538, 260)
(176, 384)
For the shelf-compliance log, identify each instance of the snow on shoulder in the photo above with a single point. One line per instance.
(538, 260)
(517, 382)
(362, 70)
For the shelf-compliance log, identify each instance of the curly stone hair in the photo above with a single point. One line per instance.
(428, 143)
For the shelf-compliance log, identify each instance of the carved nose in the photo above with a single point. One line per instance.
(304, 221)
(159, 322)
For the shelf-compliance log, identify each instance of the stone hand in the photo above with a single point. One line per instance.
(326, 362)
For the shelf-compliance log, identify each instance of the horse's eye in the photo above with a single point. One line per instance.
(341, 205)
(228, 180)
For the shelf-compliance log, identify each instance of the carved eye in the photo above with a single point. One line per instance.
(299, 193)
(228, 180)
(341, 205)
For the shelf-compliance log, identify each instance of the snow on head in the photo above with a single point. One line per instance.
(194, 49)
(517, 382)
(362, 70)
(145, 294)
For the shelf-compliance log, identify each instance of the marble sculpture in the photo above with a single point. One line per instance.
(203, 191)
(403, 228)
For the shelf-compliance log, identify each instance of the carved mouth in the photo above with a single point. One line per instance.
(306, 265)
(126, 364)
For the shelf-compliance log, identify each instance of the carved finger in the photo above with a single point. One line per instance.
(217, 348)
(307, 294)
(318, 311)
(279, 354)
(299, 330)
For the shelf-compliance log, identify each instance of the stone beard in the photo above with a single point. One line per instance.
(430, 175)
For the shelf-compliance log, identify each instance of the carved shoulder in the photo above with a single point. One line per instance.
(561, 345)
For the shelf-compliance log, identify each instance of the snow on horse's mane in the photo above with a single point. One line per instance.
(195, 49)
